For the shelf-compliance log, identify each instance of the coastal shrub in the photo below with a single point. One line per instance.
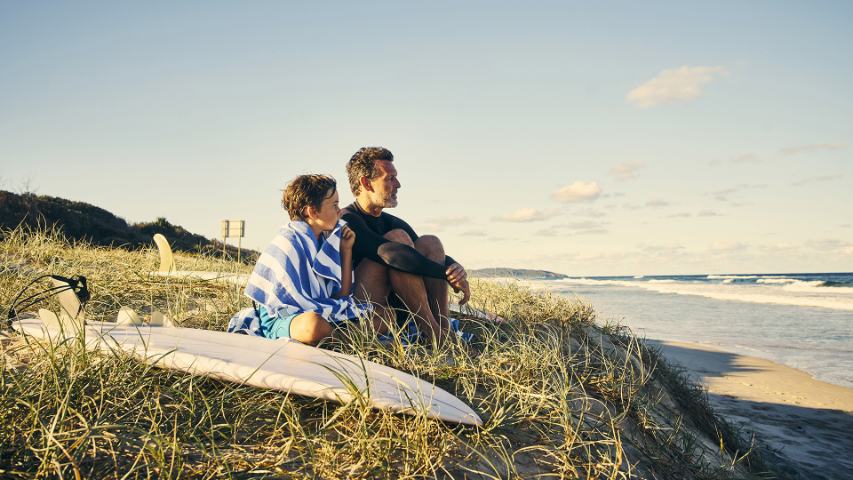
(561, 396)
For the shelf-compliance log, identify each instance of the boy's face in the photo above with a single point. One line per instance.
(326, 217)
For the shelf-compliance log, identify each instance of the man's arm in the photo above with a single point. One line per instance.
(395, 255)
(397, 222)
(454, 273)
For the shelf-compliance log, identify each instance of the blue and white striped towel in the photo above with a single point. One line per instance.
(297, 274)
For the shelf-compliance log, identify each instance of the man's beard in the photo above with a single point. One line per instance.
(389, 202)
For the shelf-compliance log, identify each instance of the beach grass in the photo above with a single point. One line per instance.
(560, 395)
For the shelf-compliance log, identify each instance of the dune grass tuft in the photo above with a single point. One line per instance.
(561, 397)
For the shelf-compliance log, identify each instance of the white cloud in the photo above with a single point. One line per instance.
(818, 147)
(452, 220)
(522, 215)
(727, 246)
(589, 212)
(585, 225)
(708, 213)
(674, 85)
(425, 228)
(821, 178)
(747, 158)
(580, 191)
(626, 170)
(723, 195)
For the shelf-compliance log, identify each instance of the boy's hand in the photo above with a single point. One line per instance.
(347, 238)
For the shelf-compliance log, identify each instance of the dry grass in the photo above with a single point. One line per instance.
(560, 397)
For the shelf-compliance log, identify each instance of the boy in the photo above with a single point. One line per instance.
(301, 285)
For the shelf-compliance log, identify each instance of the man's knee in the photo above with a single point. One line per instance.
(400, 236)
(431, 246)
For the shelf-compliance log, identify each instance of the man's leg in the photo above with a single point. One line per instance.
(430, 246)
(373, 285)
(410, 288)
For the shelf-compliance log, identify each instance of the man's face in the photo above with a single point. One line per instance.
(385, 185)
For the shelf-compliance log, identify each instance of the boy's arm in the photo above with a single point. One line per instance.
(347, 240)
(346, 274)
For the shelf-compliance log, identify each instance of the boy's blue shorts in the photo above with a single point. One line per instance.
(275, 327)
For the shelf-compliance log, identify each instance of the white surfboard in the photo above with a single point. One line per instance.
(283, 365)
(168, 268)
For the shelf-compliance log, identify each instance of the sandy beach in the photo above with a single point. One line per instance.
(806, 421)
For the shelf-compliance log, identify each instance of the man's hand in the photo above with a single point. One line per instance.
(455, 273)
(347, 238)
(457, 277)
(463, 287)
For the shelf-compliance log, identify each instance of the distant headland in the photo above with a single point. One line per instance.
(522, 273)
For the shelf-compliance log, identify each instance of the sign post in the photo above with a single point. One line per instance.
(233, 229)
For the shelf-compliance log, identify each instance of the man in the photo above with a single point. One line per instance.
(389, 258)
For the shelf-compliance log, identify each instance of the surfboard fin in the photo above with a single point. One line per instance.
(62, 322)
(70, 308)
(159, 319)
(49, 318)
(127, 316)
(167, 260)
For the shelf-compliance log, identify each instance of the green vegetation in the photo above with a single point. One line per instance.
(84, 222)
(560, 396)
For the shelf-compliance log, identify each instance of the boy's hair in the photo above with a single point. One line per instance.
(306, 190)
(362, 164)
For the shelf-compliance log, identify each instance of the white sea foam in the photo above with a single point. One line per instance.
(818, 287)
(815, 340)
(730, 277)
(776, 280)
(804, 294)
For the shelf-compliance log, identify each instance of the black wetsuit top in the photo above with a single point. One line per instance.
(371, 243)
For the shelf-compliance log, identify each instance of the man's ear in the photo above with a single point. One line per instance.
(365, 184)
(309, 211)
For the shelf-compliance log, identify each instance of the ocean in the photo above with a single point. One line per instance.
(802, 320)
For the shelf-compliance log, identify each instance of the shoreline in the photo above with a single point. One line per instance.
(807, 421)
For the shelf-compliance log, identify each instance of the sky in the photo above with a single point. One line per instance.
(600, 138)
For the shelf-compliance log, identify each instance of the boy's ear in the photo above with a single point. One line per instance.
(309, 211)
(365, 184)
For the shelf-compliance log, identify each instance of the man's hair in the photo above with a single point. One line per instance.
(306, 190)
(363, 164)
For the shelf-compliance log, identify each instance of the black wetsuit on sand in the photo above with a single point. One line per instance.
(371, 243)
